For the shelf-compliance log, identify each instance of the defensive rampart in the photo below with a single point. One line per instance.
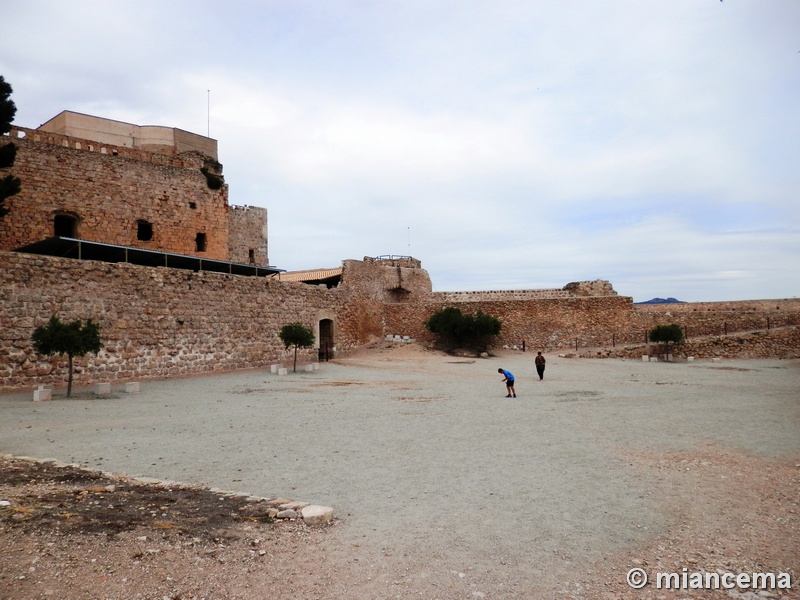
(159, 322)
(574, 319)
(156, 322)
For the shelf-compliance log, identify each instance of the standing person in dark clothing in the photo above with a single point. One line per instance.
(539, 361)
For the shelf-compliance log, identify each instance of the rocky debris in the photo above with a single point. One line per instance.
(317, 515)
(104, 499)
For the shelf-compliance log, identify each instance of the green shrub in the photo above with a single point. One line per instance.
(297, 335)
(454, 329)
(666, 335)
(9, 185)
(72, 339)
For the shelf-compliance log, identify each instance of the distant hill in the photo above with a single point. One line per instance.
(662, 301)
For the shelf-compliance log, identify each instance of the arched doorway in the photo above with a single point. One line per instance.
(65, 225)
(325, 339)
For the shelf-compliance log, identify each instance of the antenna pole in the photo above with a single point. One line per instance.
(208, 112)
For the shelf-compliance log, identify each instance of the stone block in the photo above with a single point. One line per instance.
(390, 338)
(317, 515)
(293, 505)
(283, 371)
(690, 359)
(309, 368)
(102, 389)
(645, 358)
(316, 366)
(41, 394)
(716, 359)
(653, 359)
(132, 387)
(274, 368)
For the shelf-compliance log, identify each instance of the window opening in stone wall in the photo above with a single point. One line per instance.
(193, 205)
(144, 230)
(251, 253)
(65, 226)
(398, 294)
(200, 242)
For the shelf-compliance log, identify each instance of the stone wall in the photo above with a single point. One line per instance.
(388, 280)
(571, 290)
(156, 322)
(159, 322)
(247, 232)
(543, 324)
(109, 190)
(501, 295)
(718, 318)
(783, 342)
(581, 322)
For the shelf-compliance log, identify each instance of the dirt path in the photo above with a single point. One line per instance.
(442, 487)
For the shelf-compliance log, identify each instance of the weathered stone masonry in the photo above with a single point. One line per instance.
(110, 190)
(156, 322)
(160, 322)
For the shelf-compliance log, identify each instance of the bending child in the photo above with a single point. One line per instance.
(508, 378)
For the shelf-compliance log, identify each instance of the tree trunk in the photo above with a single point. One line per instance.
(69, 379)
(294, 369)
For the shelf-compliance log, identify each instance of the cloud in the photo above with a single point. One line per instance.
(514, 145)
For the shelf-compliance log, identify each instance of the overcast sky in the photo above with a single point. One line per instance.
(517, 144)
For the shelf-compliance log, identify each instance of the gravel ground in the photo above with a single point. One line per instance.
(444, 488)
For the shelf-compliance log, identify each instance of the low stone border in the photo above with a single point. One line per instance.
(278, 509)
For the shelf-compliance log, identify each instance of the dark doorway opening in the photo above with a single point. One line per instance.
(65, 226)
(326, 339)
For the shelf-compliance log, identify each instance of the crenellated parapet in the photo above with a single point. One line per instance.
(189, 159)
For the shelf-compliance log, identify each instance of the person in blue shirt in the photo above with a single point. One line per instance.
(508, 378)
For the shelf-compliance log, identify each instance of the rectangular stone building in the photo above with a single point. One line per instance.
(153, 188)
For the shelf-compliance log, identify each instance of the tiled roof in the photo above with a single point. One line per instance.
(311, 275)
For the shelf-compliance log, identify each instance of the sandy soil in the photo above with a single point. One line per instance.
(442, 487)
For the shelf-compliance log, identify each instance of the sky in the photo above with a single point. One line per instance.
(507, 144)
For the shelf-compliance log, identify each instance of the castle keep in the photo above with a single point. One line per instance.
(180, 280)
(164, 192)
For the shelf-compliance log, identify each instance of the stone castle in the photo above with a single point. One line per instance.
(132, 227)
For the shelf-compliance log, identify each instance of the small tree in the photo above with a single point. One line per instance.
(455, 329)
(666, 334)
(72, 339)
(297, 335)
(9, 185)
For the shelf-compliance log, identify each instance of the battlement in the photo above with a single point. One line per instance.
(502, 295)
(392, 260)
(183, 161)
(582, 289)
